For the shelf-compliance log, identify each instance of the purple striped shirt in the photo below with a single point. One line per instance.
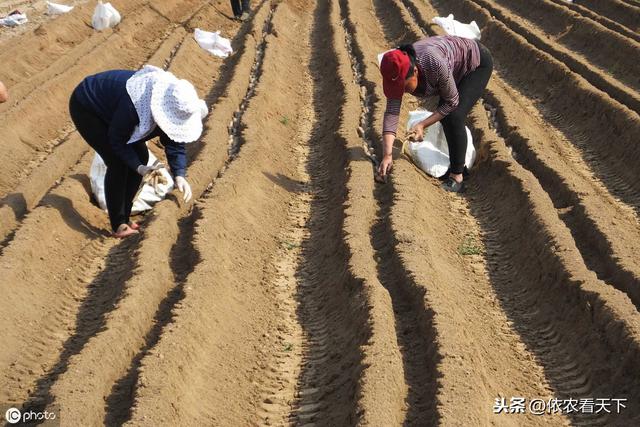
(442, 62)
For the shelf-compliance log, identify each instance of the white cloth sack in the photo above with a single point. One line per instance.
(147, 197)
(57, 9)
(455, 28)
(432, 153)
(213, 43)
(14, 20)
(105, 16)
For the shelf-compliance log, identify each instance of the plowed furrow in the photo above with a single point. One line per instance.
(332, 310)
(103, 294)
(36, 14)
(584, 205)
(31, 139)
(566, 379)
(240, 301)
(30, 61)
(71, 234)
(76, 226)
(597, 126)
(67, 150)
(607, 246)
(163, 261)
(526, 299)
(544, 299)
(607, 65)
(617, 26)
(62, 157)
(627, 14)
(415, 333)
(415, 235)
(383, 388)
(183, 258)
(581, 200)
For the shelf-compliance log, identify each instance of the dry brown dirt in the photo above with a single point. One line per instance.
(294, 290)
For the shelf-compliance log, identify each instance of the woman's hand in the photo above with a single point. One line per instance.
(417, 132)
(385, 165)
(143, 170)
(184, 187)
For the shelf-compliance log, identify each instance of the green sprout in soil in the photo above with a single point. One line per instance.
(284, 120)
(288, 245)
(288, 346)
(470, 246)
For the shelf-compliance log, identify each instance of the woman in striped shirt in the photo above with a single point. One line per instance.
(454, 68)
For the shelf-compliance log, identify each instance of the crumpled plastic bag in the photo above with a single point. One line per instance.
(455, 28)
(154, 189)
(57, 9)
(14, 19)
(432, 153)
(213, 43)
(105, 16)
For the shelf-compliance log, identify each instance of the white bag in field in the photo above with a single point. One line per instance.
(148, 195)
(105, 16)
(213, 43)
(14, 20)
(455, 28)
(432, 153)
(57, 9)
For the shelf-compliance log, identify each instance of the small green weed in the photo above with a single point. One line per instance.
(284, 120)
(470, 246)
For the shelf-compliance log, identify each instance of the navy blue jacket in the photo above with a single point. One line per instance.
(106, 95)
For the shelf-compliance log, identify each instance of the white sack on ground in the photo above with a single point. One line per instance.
(213, 43)
(105, 16)
(432, 153)
(455, 28)
(147, 197)
(57, 9)
(14, 20)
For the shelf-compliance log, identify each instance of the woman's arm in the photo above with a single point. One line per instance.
(176, 155)
(177, 159)
(389, 127)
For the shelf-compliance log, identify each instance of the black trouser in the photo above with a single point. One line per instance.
(239, 7)
(470, 89)
(120, 183)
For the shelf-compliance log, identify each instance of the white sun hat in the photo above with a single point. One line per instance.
(161, 99)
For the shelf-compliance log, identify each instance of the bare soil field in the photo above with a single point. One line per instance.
(294, 290)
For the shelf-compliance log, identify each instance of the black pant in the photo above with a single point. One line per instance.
(238, 7)
(120, 183)
(470, 89)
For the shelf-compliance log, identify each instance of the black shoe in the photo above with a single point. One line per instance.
(452, 185)
(465, 174)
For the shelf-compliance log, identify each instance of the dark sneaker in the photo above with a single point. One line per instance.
(452, 185)
(465, 174)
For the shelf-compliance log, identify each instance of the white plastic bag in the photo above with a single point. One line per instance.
(105, 16)
(455, 28)
(148, 195)
(14, 20)
(213, 43)
(57, 9)
(432, 153)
